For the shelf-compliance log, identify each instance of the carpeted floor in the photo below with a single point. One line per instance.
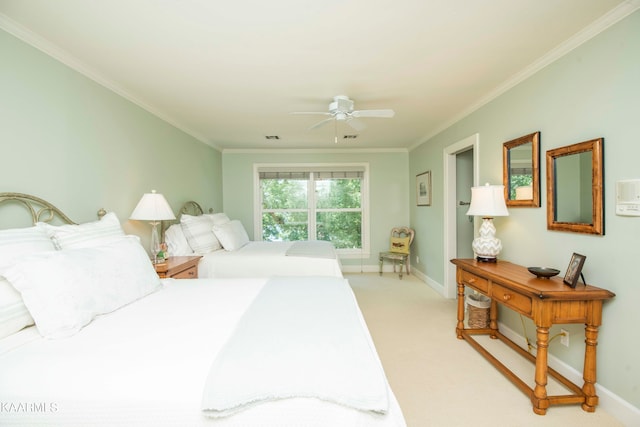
(440, 380)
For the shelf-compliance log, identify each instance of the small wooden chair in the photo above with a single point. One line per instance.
(399, 249)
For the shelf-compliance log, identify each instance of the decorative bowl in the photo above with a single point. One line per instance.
(543, 272)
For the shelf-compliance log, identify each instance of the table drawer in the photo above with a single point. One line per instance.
(474, 281)
(511, 299)
(189, 273)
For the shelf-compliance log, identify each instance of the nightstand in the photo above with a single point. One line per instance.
(179, 267)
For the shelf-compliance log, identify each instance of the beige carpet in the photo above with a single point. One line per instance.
(440, 380)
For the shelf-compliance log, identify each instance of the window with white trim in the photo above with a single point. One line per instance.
(314, 203)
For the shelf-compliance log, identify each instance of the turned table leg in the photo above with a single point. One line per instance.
(460, 324)
(539, 397)
(589, 372)
(493, 319)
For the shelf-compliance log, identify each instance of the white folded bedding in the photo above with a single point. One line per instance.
(146, 365)
(299, 338)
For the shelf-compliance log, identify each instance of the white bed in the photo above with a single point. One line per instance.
(227, 252)
(150, 361)
(265, 259)
(146, 365)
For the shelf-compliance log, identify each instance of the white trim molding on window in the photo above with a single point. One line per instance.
(314, 201)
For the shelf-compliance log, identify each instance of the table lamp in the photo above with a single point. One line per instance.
(153, 207)
(488, 202)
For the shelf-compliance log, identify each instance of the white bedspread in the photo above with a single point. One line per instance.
(299, 338)
(266, 259)
(146, 364)
(312, 248)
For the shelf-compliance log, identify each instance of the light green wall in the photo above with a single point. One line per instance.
(594, 91)
(72, 142)
(389, 188)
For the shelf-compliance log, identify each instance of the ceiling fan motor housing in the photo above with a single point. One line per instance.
(341, 104)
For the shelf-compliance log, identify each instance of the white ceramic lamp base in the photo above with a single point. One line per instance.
(486, 245)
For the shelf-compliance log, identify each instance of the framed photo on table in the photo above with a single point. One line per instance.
(423, 189)
(574, 270)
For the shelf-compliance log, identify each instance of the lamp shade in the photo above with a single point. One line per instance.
(488, 201)
(152, 207)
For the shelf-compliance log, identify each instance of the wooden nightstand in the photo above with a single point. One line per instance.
(179, 267)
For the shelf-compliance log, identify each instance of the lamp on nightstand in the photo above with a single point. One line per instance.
(488, 202)
(153, 207)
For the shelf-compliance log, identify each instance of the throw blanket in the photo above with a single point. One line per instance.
(312, 248)
(301, 337)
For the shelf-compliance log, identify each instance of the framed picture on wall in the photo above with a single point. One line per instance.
(423, 189)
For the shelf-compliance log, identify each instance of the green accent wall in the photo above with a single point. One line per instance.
(82, 147)
(593, 91)
(389, 188)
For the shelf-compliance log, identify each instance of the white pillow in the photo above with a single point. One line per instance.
(16, 243)
(13, 313)
(86, 235)
(232, 235)
(64, 290)
(218, 218)
(177, 244)
(199, 233)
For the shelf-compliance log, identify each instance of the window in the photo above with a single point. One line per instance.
(320, 202)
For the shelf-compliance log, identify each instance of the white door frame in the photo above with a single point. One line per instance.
(450, 200)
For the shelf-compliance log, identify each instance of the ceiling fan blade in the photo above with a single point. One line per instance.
(373, 113)
(317, 125)
(312, 112)
(356, 124)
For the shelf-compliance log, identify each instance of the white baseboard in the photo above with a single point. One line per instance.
(625, 412)
(370, 268)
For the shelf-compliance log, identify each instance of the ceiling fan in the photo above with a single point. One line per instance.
(341, 109)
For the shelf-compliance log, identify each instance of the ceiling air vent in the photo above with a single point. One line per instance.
(350, 136)
(272, 137)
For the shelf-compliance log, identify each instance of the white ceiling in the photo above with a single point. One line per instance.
(230, 72)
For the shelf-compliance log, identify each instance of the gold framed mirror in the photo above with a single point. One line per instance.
(521, 171)
(575, 183)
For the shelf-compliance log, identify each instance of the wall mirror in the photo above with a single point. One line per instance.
(521, 171)
(575, 185)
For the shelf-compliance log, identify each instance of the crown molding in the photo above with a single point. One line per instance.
(612, 17)
(61, 55)
(311, 150)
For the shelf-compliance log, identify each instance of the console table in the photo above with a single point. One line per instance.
(546, 302)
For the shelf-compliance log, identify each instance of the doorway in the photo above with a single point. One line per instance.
(460, 174)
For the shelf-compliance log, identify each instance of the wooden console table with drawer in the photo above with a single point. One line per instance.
(546, 302)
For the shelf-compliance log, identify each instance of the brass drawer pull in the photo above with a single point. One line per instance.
(506, 297)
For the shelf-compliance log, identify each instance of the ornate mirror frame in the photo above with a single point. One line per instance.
(508, 163)
(596, 226)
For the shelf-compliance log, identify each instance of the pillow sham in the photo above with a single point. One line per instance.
(16, 243)
(85, 235)
(232, 235)
(65, 290)
(199, 233)
(177, 244)
(218, 218)
(14, 315)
